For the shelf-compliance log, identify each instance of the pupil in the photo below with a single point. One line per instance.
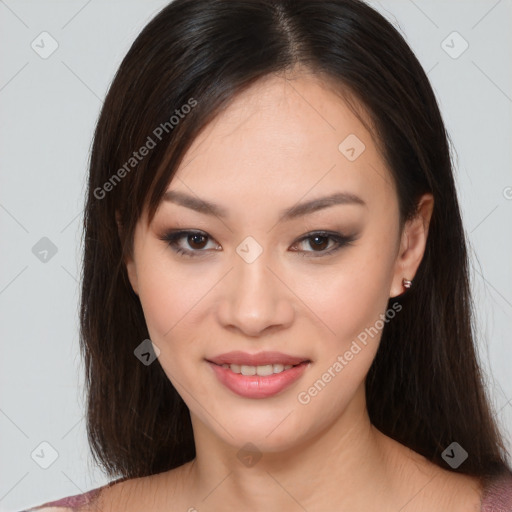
(196, 239)
(321, 244)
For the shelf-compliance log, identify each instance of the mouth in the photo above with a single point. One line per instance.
(258, 375)
(261, 363)
(260, 370)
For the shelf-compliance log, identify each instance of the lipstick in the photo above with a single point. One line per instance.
(259, 375)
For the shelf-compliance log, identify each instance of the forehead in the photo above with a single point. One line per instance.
(281, 139)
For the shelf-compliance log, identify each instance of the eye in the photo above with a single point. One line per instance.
(322, 243)
(197, 242)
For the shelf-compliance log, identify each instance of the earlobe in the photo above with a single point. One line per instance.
(412, 246)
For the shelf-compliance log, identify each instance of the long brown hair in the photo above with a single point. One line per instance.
(425, 387)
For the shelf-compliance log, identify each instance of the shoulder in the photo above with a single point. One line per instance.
(132, 495)
(420, 484)
(497, 495)
(74, 503)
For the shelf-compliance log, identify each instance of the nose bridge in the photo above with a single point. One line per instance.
(253, 281)
(256, 300)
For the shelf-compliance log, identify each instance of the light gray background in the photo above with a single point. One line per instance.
(49, 108)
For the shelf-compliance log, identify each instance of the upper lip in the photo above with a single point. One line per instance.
(258, 359)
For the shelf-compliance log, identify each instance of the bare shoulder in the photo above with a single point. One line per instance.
(424, 486)
(433, 488)
(153, 492)
(458, 491)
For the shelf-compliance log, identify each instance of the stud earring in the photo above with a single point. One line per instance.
(406, 283)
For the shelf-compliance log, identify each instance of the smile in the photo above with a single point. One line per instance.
(258, 375)
(262, 371)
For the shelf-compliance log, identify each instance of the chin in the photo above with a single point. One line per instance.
(275, 429)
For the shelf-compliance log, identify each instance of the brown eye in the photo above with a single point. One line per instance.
(197, 241)
(322, 243)
(319, 242)
(190, 243)
(194, 243)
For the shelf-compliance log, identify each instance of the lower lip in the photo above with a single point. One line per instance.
(255, 386)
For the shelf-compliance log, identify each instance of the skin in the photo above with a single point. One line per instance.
(275, 146)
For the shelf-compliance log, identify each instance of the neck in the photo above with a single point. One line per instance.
(341, 462)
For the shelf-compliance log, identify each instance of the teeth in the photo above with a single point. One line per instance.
(262, 371)
(248, 370)
(278, 368)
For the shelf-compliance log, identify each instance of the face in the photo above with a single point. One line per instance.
(256, 272)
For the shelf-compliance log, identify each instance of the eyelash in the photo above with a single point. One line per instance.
(172, 239)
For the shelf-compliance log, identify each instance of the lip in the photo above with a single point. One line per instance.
(258, 359)
(257, 386)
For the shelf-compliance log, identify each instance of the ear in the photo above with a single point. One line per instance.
(131, 269)
(412, 245)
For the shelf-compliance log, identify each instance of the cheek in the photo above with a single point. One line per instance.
(167, 303)
(351, 297)
(351, 303)
(175, 304)
(170, 295)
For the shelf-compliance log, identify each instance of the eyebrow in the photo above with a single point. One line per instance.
(298, 210)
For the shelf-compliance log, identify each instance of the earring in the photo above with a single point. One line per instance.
(406, 283)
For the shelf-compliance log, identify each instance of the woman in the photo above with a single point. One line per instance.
(276, 310)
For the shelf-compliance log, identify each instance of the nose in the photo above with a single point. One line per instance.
(255, 300)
